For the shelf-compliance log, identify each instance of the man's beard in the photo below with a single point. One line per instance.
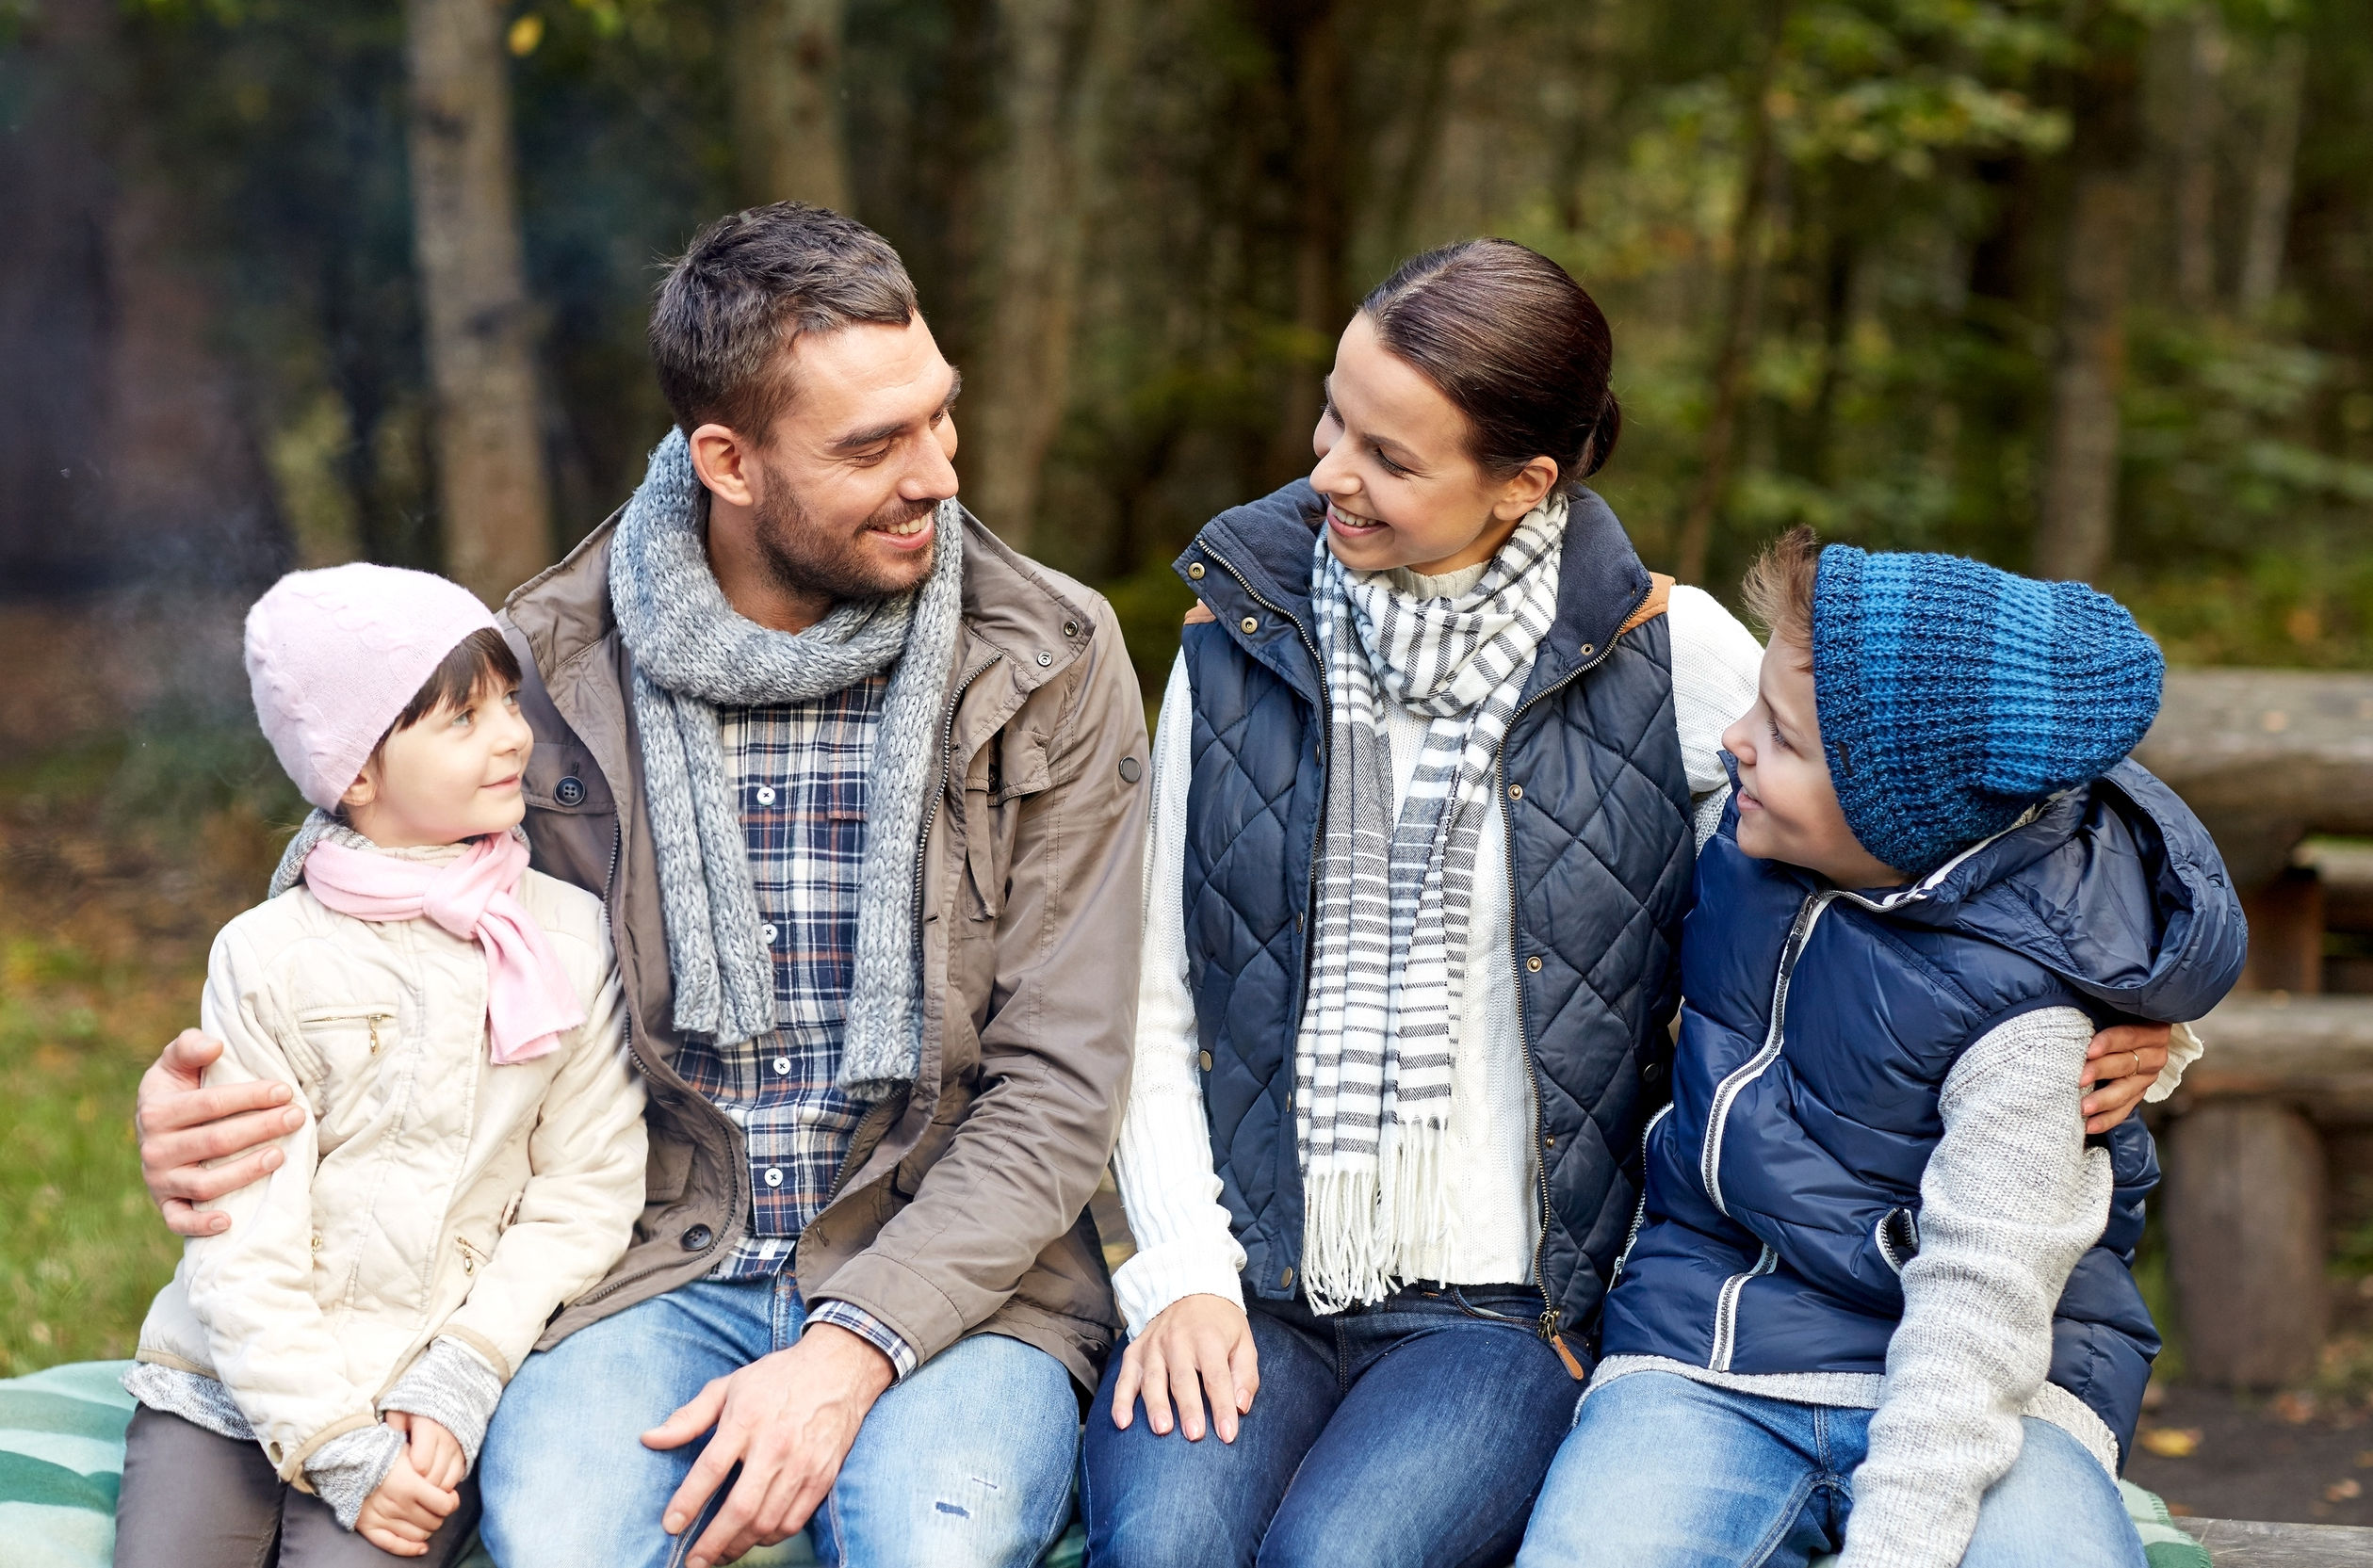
(807, 558)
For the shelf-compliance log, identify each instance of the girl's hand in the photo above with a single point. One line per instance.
(2124, 1063)
(1196, 1343)
(407, 1508)
(434, 1452)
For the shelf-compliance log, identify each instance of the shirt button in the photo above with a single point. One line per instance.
(774, 1177)
(1533, 965)
(766, 795)
(766, 933)
(782, 1067)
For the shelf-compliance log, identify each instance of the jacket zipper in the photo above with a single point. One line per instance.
(1726, 1307)
(1710, 1156)
(1639, 1211)
(1516, 967)
(1726, 1311)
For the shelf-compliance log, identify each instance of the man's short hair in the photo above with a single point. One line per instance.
(750, 284)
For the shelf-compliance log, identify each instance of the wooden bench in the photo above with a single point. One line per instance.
(2252, 1544)
(2269, 758)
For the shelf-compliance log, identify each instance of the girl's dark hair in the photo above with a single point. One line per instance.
(1516, 345)
(479, 658)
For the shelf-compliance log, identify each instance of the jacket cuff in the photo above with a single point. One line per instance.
(451, 1385)
(904, 1300)
(344, 1471)
(1152, 1280)
(842, 1314)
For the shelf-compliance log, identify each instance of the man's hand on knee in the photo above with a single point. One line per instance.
(788, 1419)
(183, 1126)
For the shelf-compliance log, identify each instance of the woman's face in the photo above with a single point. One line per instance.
(1401, 487)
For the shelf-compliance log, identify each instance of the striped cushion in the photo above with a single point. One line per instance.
(61, 1463)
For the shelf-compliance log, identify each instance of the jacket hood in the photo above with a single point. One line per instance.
(2114, 885)
(1599, 578)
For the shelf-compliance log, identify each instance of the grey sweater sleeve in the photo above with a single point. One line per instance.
(346, 1470)
(451, 1386)
(2011, 1200)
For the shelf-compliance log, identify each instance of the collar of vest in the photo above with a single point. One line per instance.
(1251, 565)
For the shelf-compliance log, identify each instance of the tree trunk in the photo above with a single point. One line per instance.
(1018, 401)
(2079, 494)
(491, 485)
(2270, 179)
(1742, 309)
(1311, 42)
(2196, 164)
(784, 76)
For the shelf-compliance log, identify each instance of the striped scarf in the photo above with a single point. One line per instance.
(1373, 1079)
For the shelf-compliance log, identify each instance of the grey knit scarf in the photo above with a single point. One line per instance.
(694, 654)
(1379, 1028)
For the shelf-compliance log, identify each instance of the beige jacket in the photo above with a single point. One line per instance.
(429, 1192)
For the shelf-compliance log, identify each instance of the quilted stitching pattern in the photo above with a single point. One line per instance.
(1601, 860)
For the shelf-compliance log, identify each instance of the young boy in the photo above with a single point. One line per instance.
(1877, 1295)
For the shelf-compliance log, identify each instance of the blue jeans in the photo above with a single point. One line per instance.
(1412, 1432)
(967, 1461)
(1662, 1472)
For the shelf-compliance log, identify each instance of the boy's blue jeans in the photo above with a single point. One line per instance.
(1661, 1472)
(967, 1463)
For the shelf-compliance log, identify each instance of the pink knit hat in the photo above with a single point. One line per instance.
(334, 656)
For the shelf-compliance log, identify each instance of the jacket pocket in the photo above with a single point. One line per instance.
(667, 1170)
(347, 1045)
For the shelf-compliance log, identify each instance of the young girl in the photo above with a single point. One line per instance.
(1427, 786)
(321, 1373)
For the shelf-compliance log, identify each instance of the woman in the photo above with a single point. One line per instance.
(1429, 776)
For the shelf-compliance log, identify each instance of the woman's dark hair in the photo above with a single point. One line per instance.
(1516, 345)
(478, 659)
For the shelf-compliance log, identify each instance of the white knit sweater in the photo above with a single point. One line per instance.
(1164, 1164)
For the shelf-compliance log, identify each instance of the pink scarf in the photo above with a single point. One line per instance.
(528, 997)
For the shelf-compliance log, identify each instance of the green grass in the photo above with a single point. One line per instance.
(81, 1251)
(120, 858)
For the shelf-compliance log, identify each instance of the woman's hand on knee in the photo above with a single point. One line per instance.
(1196, 1345)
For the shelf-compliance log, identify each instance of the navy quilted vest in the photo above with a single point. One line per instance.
(1783, 1183)
(1600, 848)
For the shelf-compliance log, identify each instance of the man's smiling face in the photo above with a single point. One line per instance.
(837, 502)
(847, 484)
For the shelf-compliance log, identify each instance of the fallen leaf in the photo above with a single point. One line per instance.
(2341, 1490)
(2173, 1442)
(2176, 1509)
(2296, 1407)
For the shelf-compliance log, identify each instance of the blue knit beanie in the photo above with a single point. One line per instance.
(1952, 696)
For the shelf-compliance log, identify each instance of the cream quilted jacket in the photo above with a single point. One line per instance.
(429, 1191)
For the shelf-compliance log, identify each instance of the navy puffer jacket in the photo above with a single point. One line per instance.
(1600, 848)
(1783, 1184)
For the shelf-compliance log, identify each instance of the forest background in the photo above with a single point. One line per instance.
(2078, 286)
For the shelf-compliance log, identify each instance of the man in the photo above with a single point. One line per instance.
(861, 788)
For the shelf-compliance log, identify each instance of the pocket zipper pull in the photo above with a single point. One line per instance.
(1573, 1367)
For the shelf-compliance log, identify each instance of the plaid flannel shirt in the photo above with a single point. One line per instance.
(799, 772)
